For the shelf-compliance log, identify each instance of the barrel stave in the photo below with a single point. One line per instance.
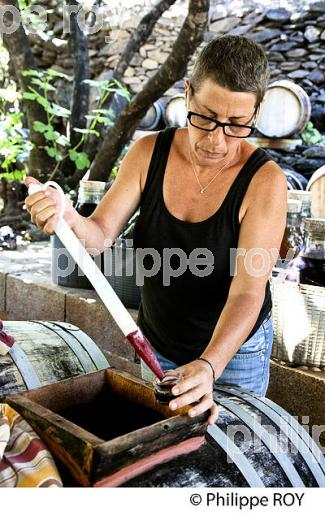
(11, 381)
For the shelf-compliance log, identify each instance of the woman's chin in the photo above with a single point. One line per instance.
(211, 156)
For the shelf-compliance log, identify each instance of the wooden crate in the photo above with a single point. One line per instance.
(99, 423)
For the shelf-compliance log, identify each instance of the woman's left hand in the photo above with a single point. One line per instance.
(196, 386)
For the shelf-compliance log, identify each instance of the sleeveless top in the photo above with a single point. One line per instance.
(179, 318)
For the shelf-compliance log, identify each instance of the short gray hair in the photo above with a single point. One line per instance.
(234, 62)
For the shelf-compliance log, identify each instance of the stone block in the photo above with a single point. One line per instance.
(31, 296)
(85, 310)
(302, 394)
(2, 292)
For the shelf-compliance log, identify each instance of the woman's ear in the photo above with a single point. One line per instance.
(257, 112)
(187, 94)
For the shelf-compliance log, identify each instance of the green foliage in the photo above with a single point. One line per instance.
(102, 115)
(80, 158)
(35, 20)
(12, 144)
(311, 135)
(114, 172)
(25, 4)
(59, 146)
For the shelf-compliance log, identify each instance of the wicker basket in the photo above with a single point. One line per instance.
(299, 323)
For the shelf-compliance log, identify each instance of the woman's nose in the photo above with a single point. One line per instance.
(217, 136)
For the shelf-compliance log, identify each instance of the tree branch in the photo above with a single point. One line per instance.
(137, 39)
(19, 49)
(140, 36)
(171, 71)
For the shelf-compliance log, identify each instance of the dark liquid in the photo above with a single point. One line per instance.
(313, 272)
(86, 209)
(308, 270)
(163, 397)
(163, 388)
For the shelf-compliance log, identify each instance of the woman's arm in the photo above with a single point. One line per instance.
(261, 232)
(112, 213)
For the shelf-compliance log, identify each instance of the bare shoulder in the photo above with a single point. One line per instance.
(140, 153)
(267, 190)
(269, 179)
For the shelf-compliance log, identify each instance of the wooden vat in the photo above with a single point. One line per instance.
(101, 422)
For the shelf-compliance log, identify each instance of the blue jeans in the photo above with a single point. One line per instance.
(249, 368)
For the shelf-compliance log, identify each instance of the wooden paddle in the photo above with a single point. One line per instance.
(103, 288)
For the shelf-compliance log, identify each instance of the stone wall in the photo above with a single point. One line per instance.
(294, 41)
(293, 37)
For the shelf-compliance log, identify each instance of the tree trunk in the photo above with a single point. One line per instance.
(171, 71)
(78, 47)
(18, 46)
(14, 213)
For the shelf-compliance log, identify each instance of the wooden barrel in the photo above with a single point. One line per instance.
(175, 111)
(316, 185)
(285, 110)
(295, 180)
(152, 118)
(45, 352)
(254, 442)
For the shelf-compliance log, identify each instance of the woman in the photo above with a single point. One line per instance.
(202, 189)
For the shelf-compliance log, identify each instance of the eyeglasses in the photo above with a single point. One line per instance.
(209, 124)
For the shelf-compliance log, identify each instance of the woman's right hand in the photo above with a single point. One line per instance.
(44, 207)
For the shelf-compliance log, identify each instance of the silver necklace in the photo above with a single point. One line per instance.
(202, 189)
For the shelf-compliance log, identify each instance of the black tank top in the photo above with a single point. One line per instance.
(179, 318)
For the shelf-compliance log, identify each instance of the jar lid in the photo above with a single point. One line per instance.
(294, 206)
(92, 185)
(303, 195)
(315, 225)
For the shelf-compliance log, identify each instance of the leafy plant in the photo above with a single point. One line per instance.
(100, 114)
(311, 135)
(58, 145)
(36, 20)
(13, 143)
